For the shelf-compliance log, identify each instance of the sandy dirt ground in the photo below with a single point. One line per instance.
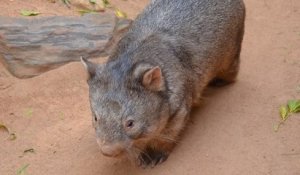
(230, 134)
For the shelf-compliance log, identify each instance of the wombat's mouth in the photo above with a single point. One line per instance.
(118, 155)
(111, 150)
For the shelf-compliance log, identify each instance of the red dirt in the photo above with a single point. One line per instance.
(230, 134)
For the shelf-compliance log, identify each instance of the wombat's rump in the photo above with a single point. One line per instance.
(141, 98)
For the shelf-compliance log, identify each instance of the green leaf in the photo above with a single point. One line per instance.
(22, 170)
(294, 105)
(106, 2)
(82, 12)
(283, 113)
(61, 115)
(28, 112)
(67, 3)
(29, 13)
(93, 1)
(276, 127)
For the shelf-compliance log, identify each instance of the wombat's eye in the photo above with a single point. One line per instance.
(95, 118)
(129, 123)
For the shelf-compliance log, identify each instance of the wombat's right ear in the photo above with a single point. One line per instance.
(89, 66)
(151, 77)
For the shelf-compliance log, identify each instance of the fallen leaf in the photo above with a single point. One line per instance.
(61, 115)
(82, 12)
(29, 13)
(294, 105)
(31, 150)
(276, 126)
(67, 3)
(29, 112)
(22, 170)
(12, 136)
(120, 14)
(105, 3)
(93, 1)
(2, 126)
(283, 113)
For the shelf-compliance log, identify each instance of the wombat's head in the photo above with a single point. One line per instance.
(128, 103)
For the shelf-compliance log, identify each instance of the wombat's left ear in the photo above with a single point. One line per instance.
(153, 79)
(89, 66)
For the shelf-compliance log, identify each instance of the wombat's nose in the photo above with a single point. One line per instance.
(111, 150)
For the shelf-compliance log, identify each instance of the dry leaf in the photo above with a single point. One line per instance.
(29, 13)
(120, 14)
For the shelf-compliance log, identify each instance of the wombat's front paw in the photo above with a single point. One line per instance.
(152, 158)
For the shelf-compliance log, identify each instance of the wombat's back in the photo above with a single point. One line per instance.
(194, 40)
(197, 20)
(208, 29)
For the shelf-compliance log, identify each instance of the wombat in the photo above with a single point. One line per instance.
(142, 96)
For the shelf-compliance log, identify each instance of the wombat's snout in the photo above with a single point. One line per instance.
(110, 150)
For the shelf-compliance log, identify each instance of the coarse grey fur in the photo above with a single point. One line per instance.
(183, 45)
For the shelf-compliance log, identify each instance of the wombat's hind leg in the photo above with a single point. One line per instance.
(227, 76)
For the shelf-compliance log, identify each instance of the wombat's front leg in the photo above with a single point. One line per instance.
(158, 149)
(155, 153)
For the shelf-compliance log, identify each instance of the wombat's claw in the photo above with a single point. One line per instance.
(152, 158)
(143, 160)
(160, 158)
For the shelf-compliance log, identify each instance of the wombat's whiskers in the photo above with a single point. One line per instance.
(132, 154)
(167, 138)
(164, 138)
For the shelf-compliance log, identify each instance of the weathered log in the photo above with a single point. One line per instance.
(29, 47)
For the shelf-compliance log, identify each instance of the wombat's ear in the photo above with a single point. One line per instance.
(89, 66)
(153, 79)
